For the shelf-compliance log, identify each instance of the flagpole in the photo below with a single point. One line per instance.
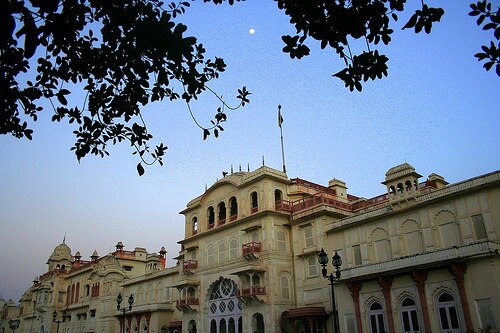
(280, 122)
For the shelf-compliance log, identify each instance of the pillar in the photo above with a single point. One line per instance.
(458, 271)
(355, 288)
(419, 278)
(385, 282)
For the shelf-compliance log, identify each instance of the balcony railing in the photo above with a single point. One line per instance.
(233, 217)
(252, 291)
(222, 221)
(254, 210)
(251, 248)
(187, 302)
(283, 205)
(211, 225)
(318, 199)
(423, 259)
(189, 265)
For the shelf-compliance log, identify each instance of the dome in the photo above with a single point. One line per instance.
(400, 171)
(407, 168)
(62, 251)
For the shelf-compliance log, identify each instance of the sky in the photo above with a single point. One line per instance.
(437, 110)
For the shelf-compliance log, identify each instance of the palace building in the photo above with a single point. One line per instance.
(422, 257)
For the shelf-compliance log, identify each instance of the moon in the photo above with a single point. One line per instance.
(251, 31)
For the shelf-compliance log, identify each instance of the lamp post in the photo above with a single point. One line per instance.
(13, 324)
(58, 321)
(336, 262)
(119, 300)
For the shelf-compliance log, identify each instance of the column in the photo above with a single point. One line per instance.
(385, 282)
(419, 278)
(458, 271)
(148, 319)
(355, 288)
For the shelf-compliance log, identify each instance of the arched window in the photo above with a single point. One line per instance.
(72, 293)
(448, 314)
(224, 307)
(381, 245)
(233, 209)
(400, 188)
(281, 238)
(222, 212)
(256, 280)
(285, 287)
(409, 316)
(191, 293)
(254, 202)
(258, 323)
(448, 229)
(408, 185)
(192, 327)
(233, 249)
(68, 296)
(210, 255)
(222, 252)
(376, 317)
(412, 238)
(255, 237)
(278, 197)
(211, 217)
(392, 190)
(77, 295)
(194, 225)
(312, 267)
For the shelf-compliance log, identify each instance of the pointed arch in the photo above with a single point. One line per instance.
(448, 231)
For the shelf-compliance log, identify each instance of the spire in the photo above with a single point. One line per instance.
(263, 162)
(64, 239)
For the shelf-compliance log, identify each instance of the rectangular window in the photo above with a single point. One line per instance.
(486, 313)
(357, 255)
(478, 225)
(308, 236)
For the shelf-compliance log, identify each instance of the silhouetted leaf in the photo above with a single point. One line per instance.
(140, 169)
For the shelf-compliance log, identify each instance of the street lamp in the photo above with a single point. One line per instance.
(13, 324)
(119, 300)
(58, 321)
(336, 262)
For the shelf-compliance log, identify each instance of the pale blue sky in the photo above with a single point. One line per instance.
(437, 110)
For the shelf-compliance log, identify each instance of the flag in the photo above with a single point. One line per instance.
(280, 118)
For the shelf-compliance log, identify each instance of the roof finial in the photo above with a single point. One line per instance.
(231, 169)
(263, 163)
(64, 239)
(248, 167)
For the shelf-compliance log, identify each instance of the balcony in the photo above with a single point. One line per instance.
(186, 305)
(254, 210)
(250, 250)
(233, 217)
(222, 221)
(252, 293)
(283, 206)
(189, 266)
(427, 259)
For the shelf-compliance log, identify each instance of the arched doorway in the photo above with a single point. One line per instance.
(258, 323)
(224, 308)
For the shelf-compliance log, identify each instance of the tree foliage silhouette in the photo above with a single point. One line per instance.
(106, 49)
